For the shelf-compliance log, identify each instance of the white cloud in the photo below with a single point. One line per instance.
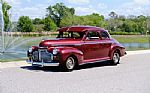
(38, 11)
(102, 6)
(30, 11)
(13, 2)
(29, 1)
(85, 10)
(79, 1)
(134, 8)
(18, 10)
(142, 2)
(82, 7)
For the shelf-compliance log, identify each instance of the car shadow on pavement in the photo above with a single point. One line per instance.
(57, 69)
(45, 69)
(95, 65)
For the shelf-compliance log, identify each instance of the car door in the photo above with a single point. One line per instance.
(91, 46)
(105, 44)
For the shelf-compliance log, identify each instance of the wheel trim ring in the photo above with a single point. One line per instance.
(116, 58)
(70, 63)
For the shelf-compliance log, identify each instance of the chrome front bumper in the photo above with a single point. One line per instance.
(42, 64)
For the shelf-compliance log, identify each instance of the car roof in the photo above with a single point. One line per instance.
(80, 29)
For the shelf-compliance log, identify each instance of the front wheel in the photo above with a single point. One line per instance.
(69, 64)
(115, 58)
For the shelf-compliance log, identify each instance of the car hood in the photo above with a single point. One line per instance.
(59, 42)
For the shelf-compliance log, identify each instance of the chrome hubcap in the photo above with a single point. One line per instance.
(116, 58)
(70, 63)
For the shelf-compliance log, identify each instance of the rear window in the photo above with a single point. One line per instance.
(93, 35)
(104, 35)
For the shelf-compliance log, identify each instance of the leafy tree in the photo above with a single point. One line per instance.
(37, 21)
(93, 19)
(121, 17)
(60, 15)
(113, 21)
(113, 15)
(131, 17)
(148, 24)
(69, 21)
(39, 27)
(129, 26)
(25, 24)
(5, 8)
(49, 24)
(58, 12)
(141, 18)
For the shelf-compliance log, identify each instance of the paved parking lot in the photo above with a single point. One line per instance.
(130, 76)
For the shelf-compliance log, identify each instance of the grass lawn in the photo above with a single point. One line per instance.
(10, 60)
(131, 38)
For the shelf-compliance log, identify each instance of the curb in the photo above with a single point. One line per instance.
(138, 52)
(13, 64)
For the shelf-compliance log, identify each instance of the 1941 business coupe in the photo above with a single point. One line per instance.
(76, 45)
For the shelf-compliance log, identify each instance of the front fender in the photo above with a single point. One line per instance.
(65, 52)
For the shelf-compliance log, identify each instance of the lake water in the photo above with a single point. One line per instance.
(136, 46)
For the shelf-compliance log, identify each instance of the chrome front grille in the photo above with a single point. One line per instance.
(35, 56)
(42, 55)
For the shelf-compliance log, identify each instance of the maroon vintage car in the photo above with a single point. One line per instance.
(76, 45)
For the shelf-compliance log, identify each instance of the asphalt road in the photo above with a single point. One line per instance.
(132, 75)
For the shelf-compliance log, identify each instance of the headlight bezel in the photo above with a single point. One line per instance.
(30, 50)
(55, 51)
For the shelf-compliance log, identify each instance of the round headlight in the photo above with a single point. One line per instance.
(30, 50)
(55, 51)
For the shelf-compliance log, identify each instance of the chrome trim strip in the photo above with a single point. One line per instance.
(45, 64)
(39, 55)
(42, 64)
(93, 62)
(67, 45)
(91, 42)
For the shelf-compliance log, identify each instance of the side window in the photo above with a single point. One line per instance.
(92, 35)
(104, 35)
(75, 35)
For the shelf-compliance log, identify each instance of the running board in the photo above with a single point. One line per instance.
(97, 61)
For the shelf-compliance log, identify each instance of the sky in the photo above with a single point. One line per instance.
(37, 8)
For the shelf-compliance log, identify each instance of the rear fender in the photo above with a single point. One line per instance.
(118, 48)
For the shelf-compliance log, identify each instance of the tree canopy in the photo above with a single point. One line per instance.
(49, 24)
(60, 15)
(58, 12)
(25, 24)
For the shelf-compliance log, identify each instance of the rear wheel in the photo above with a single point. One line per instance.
(115, 58)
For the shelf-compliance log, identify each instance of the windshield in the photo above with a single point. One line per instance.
(70, 34)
